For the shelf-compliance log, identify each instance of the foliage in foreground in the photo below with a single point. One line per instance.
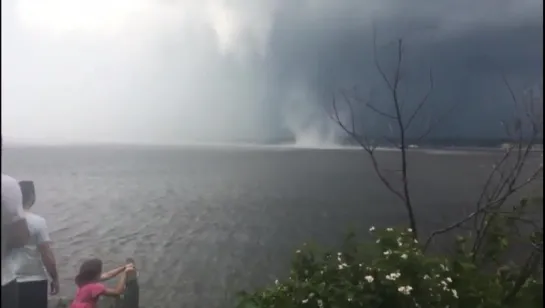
(400, 275)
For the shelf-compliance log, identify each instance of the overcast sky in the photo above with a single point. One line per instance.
(174, 71)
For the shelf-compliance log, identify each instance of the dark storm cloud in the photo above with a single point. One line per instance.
(468, 45)
(214, 70)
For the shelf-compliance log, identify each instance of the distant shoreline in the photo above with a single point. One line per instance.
(429, 147)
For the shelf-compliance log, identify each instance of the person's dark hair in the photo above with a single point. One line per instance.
(89, 272)
(29, 193)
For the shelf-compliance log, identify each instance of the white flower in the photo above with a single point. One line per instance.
(298, 251)
(343, 265)
(349, 299)
(404, 256)
(448, 279)
(311, 295)
(393, 276)
(409, 230)
(304, 301)
(369, 278)
(416, 241)
(387, 252)
(320, 303)
(372, 229)
(405, 290)
(389, 229)
(378, 241)
(426, 277)
(276, 282)
(454, 293)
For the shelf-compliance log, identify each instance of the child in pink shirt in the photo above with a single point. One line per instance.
(90, 288)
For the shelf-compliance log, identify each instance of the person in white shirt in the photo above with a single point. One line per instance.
(14, 234)
(35, 260)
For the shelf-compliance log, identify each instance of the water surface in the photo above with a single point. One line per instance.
(204, 222)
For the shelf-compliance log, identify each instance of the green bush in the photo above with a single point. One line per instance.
(394, 272)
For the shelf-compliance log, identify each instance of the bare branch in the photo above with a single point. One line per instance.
(438, 121)
(510, 89)
(393, 85)
(377, 63)
(502, 183)
(421, 104)
(382, 113)
(507, 185)
(402, 136)
(532, 263)
(366, 145)
(488, 208)
(352, 120)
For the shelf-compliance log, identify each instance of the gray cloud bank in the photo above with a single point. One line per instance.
(169, 78)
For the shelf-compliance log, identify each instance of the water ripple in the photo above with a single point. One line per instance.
(203, 224)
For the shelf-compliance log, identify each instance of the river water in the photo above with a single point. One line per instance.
(205, 222)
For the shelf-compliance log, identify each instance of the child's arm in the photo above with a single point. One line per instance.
(111, 274)
(119, 288)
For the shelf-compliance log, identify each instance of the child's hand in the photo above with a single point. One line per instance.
(129, 268)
